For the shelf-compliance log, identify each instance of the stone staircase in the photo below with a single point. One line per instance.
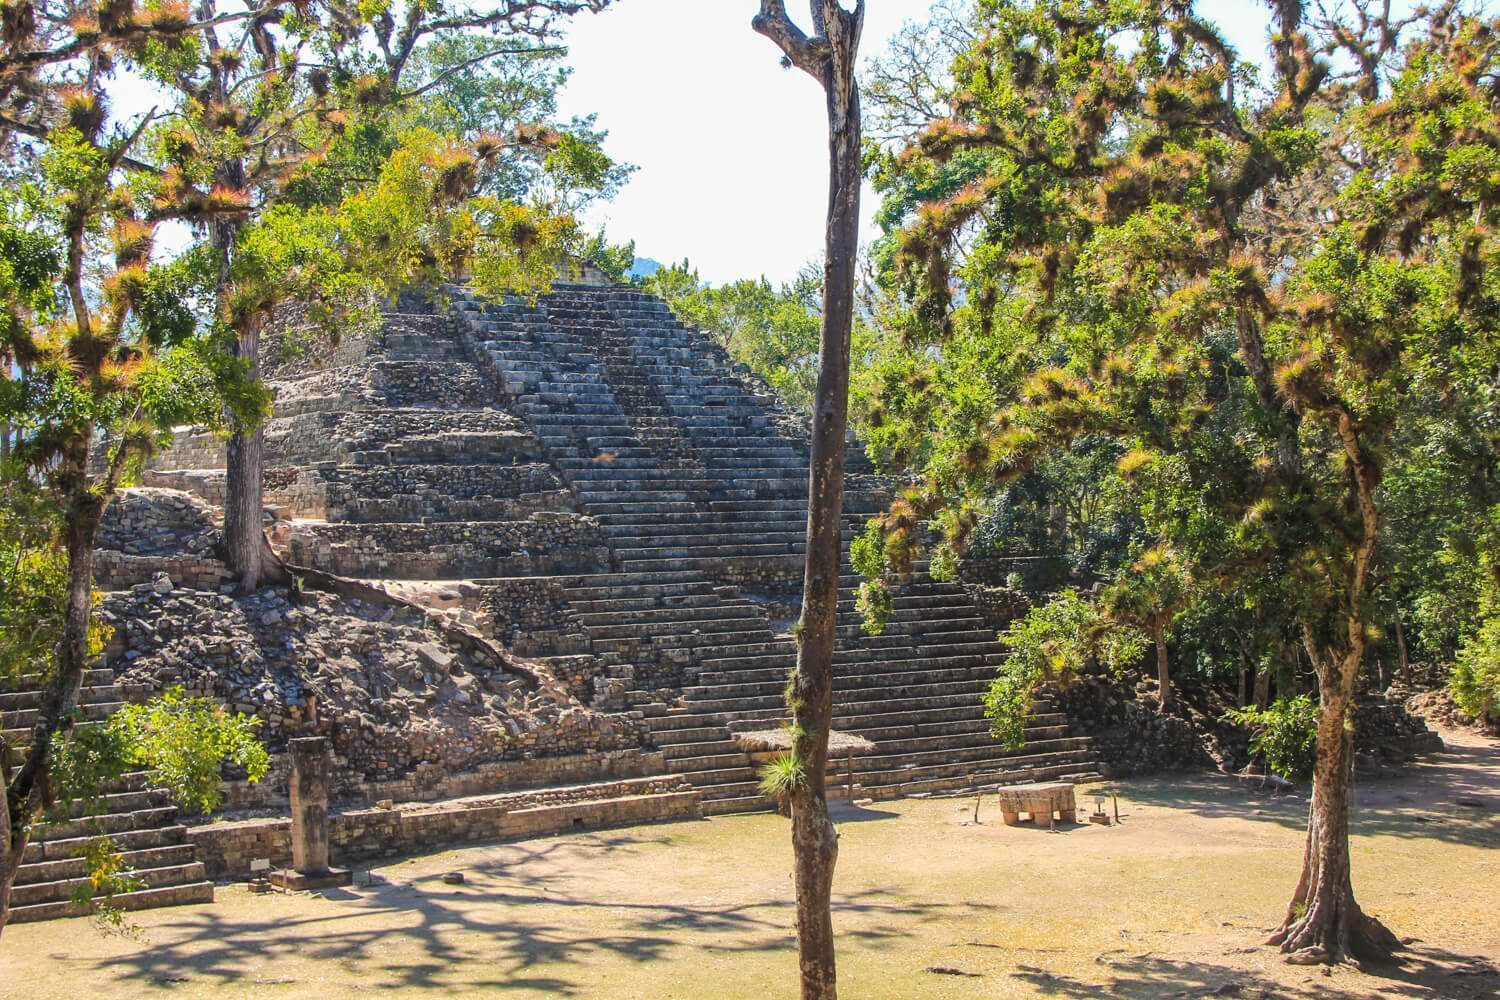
(139, 820)
(703, 500)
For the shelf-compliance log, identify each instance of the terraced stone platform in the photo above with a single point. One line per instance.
(622, 500)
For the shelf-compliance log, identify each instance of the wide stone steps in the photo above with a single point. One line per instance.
(67, 869)
(178, 886)
(846, 683)
(703, 485)
(152, 845)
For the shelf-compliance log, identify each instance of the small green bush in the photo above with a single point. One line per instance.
(1285, 735)
(874, 602)
(181, 740)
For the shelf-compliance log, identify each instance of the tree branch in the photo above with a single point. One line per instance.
(42, 133)
(467, 63)
(811, 55)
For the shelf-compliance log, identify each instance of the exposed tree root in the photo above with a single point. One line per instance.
(1335, 931)
(456, 633)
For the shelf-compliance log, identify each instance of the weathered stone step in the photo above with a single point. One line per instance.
(969, 711)
(29, 682)
(21, 701)
(35, 893)
(717, 758)
(129, 840)
(905, 677)
(172, 895)
(657, 632)
(111, 823)
(73, 868)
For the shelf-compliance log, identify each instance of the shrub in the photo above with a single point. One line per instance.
(1285, 735)
(1475, 683)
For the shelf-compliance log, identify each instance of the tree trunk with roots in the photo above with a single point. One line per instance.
(1323, 921)
(829, 57)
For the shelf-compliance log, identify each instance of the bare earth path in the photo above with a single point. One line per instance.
(1170, 903)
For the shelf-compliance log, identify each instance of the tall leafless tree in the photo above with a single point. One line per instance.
(828, 56)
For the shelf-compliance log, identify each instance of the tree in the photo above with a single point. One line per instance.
(1150, 594)
(108, 362)
(1260, 287)
(103, 331)
(828, 55)
(1051, 644)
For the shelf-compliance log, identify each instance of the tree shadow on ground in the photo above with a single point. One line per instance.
(1422, 972)
(847, 812)
(1453, 796)
(520, 928)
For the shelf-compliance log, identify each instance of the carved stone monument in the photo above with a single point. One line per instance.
(312, 760)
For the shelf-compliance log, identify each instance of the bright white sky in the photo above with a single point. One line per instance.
(731, 147)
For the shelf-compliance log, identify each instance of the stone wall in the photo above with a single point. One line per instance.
(1039, 574)
(545, 543)
(158, 522)
(392, 692)
(191, 448)
(205, 482)
(148, 532)
(228, 847)
(999, 607)
(431, 782)
(118, 571)
(533, 617)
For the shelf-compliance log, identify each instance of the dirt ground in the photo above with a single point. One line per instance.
(1170, 903)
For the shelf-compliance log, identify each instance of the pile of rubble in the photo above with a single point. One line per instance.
(391, 688)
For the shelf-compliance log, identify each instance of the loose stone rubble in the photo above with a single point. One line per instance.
(380, 681)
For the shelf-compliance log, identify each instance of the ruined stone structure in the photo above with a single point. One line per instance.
(600, 491)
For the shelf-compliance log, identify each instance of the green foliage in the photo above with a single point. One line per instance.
(108, 876)
(181, 741)
(1285, 735)
(33, 579)
(773, 331)
(874, 602)
(614, 261)
(1096, 342)
(867, 553)
(1475, 682)
(1051, 644)
(944, 564)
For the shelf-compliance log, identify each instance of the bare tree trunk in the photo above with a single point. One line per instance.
(1403, 668)
(828, 57)
(11, 851)
(246, 550)
(1163, 665)
(27, 792)
(1263, 687)
(1247, 677)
